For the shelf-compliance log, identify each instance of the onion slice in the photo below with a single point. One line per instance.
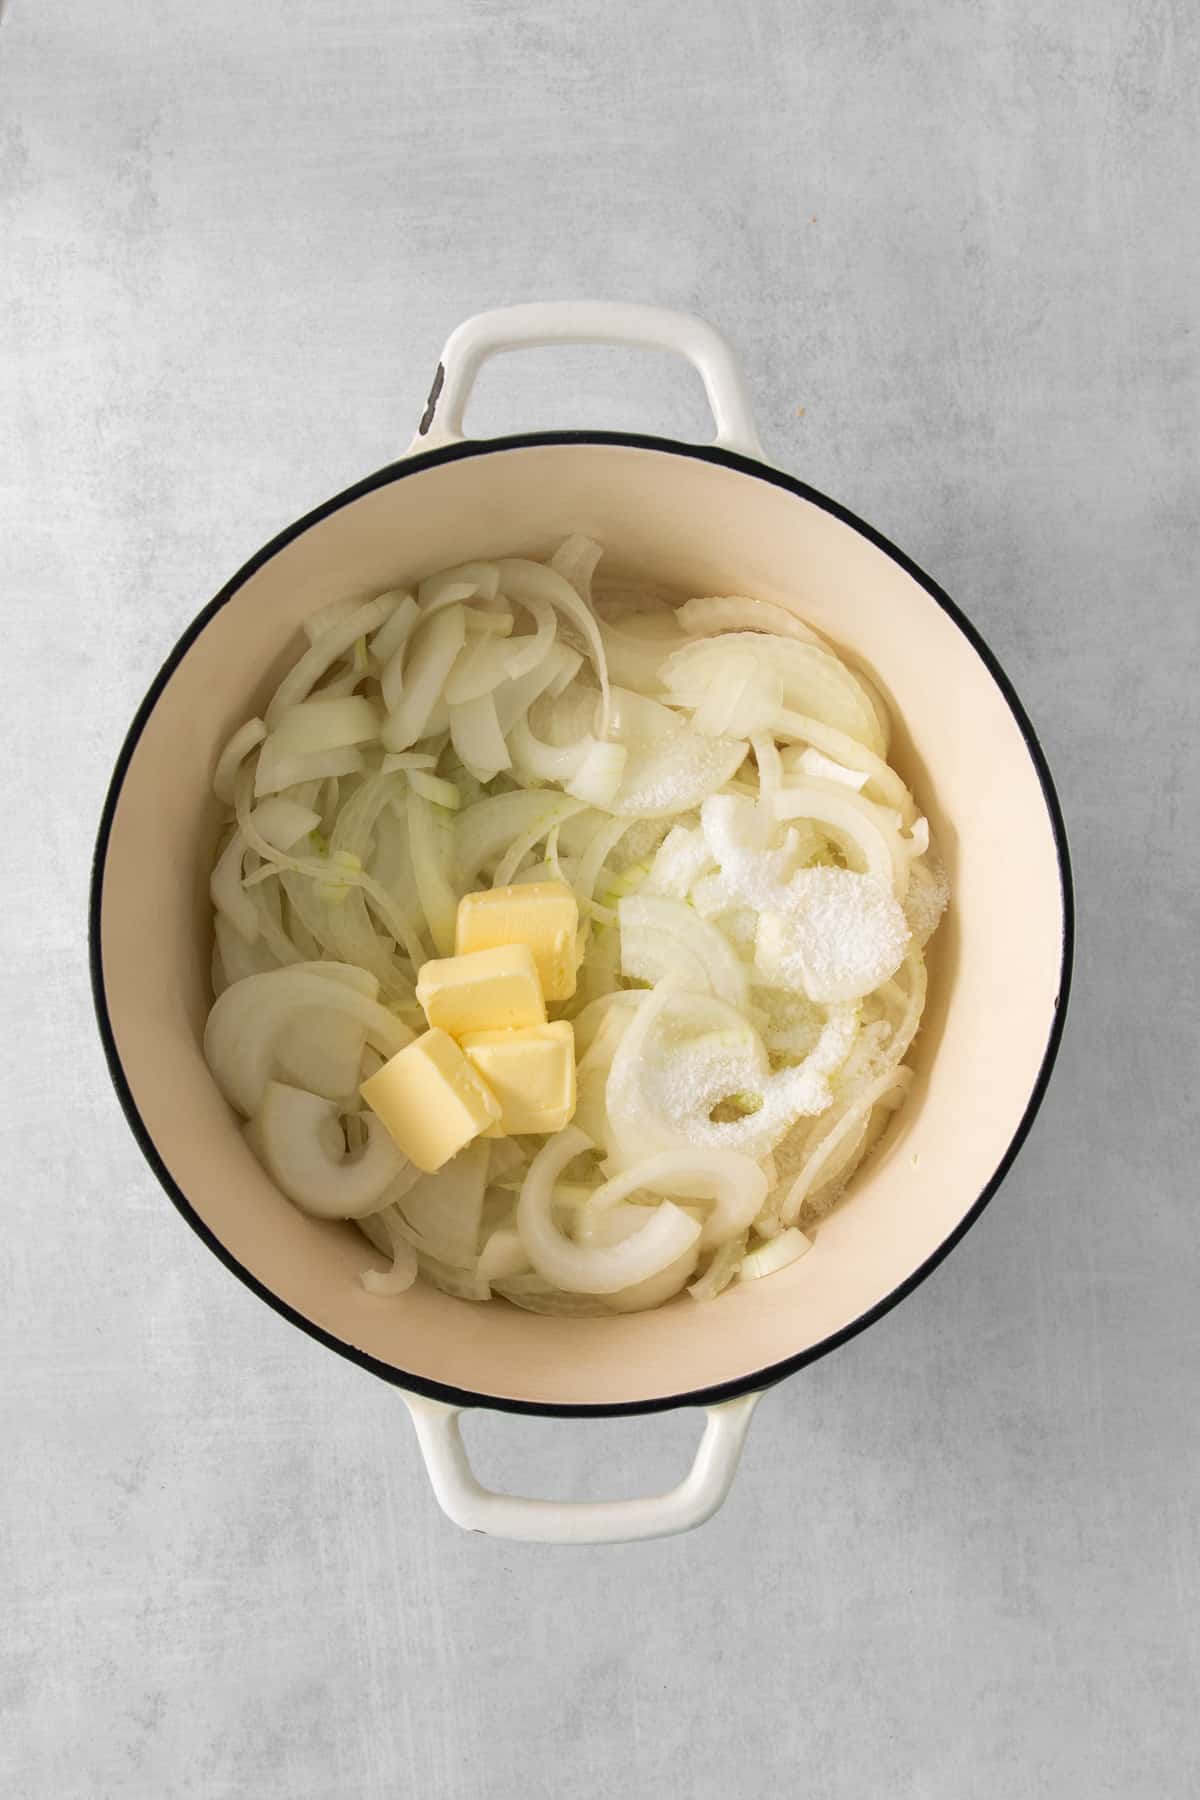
(239, 1038)
(299, 1136)
(579, 1270)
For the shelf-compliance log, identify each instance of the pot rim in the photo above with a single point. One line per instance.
(460, 452)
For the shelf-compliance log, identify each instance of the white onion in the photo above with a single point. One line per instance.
(735, 1184)
(778, 1253)
(432, 849)
(239, 1038)
(519, 578)
(395, 631)
(245, 739)
(277, 769)
(430, 658)
(299, 1133)
(227, 893)
(433, 787)
(503, 1255)
(736, 612)
(304, 675)
(477, 738)
(813, 680)
(662, 937)
(574, 1268)
(284, 822)
(524, 654)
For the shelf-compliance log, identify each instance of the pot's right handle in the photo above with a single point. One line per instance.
(548, 322)
(476, 1508)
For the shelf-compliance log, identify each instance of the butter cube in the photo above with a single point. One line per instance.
(486, 990)
(542, 914)
(531, 1073)
(431, 1100)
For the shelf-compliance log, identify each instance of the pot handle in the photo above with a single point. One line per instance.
(477, 1508)
(547, 322)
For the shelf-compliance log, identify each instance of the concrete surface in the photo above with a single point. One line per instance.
(957, 248)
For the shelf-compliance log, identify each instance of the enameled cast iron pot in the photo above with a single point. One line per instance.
(715, 519)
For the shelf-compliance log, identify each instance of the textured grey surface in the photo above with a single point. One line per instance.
(956, 246)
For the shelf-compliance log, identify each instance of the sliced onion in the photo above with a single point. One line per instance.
(284, 822)
(481, 666)
(552, 674)
(576, 560)
(770, 766)
(847, 751)
(675, 775)
(863, 830)
(441, 1214)
(239, 1038)
(744, 702)
(524, 654)
(235, 957)
(813, 680)
(476, 580)
(778, 1253)
(299, 1134)
(245, 739)
(639, 721)
(735, 1184)
(304, 675)
(400, 1277)
(661, 937)
(815, 764)
(227, 893)
(322, 1051)
(432, 848)
(519, 578)
(477, 738)
(721, 1269)
(433, 787)
(412, 710)
(638, 647)
(538, 761)
(615, 1227)
(277, 769)
(507, 868)
(575, 1268)
(599, 774)
(484, 831)
(502, 1256)
(406, 759)
(565, 664)
(333, 612)
(736, 612)
(395, 631)
(682, 858)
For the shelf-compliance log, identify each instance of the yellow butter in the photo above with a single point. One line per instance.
(485, 990)
(531, 1073)
(431, 1099)
(543, 915)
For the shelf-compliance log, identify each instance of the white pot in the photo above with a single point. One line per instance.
(708, 520)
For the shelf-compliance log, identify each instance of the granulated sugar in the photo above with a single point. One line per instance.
(842, 934)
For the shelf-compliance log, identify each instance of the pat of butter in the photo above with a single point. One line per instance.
(531, 1073)
(431, 1099)
(486, 990)
(542, 914)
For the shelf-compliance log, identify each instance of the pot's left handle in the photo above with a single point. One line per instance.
(547, 322)
(476, 1508)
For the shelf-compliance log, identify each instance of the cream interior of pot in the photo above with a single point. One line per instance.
(994, 965)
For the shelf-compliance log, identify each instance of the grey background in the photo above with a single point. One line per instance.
(956, 247)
